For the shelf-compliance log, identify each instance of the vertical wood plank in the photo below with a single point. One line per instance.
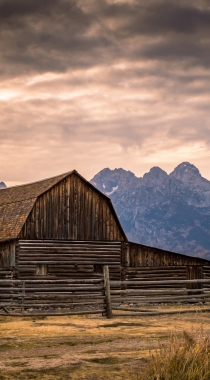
(83, 216)
(97, 221)
(75, 209)
(111, 227)
(86, 213)
(72, 207)
(68, 208)
(104, 219)
(93, 217)
(79, 209)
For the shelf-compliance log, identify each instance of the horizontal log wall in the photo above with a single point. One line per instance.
(6, 273)
(145, 269)
(67, 259)
(140, 274)
(73, 210)
(160, 273)
(137, 255)
(206, 274)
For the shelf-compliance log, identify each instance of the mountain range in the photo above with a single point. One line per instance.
(170, 212)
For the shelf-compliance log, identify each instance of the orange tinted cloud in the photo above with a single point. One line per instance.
(88, 85)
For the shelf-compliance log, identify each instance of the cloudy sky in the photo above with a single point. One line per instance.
(88, 84)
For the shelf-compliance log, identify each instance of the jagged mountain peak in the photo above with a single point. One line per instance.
(116, 172)
(155, 170)
(171, 212)
(185, 172)
(108, 181)
(155, 174)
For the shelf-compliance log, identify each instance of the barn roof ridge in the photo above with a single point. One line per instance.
(18, 193)
(31, 185)
(17, 201)
(40, 180)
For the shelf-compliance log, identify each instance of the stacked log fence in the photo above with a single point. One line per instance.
(141, 286)
(55, 297)
(165, 291)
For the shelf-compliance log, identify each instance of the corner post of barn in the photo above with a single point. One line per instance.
(108, 304)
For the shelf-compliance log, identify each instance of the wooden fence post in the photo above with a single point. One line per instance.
(107, 292)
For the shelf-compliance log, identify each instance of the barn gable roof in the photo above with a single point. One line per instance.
(13, 216)
(30, 190)
(16, 203)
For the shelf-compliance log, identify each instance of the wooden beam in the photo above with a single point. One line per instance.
(107, 292)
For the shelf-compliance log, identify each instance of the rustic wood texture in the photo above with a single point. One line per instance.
(72, 209)
(53, 259)
(6, 273)
(7, 254)
(16, 203)
(51, 297)
(137, 255)
(160, 273)
(107, 292)
(7, 260)
(157, 284)
(157, 291)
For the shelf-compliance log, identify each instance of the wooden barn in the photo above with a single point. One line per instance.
(64, 228)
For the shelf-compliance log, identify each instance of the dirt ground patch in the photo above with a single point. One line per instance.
(86, 347)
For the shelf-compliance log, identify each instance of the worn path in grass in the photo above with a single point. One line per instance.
(86, 347)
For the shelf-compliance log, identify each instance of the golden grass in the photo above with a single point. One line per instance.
(187, 358)
(86, 347)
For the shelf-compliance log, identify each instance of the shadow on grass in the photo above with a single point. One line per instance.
(110, 360)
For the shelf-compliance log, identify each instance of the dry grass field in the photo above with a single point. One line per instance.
(87, 347)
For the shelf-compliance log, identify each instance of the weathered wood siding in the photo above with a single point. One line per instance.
(52, 297)
(141, 263)
(7, 255)
(206, 274)
(6, 273)
(73, 210)
(66, 259)
(7, 259)
(137, 255)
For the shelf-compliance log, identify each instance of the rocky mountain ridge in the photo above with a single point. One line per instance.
(2, 185)
(171, 212)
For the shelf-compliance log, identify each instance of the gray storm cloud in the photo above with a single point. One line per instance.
(103, 83)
